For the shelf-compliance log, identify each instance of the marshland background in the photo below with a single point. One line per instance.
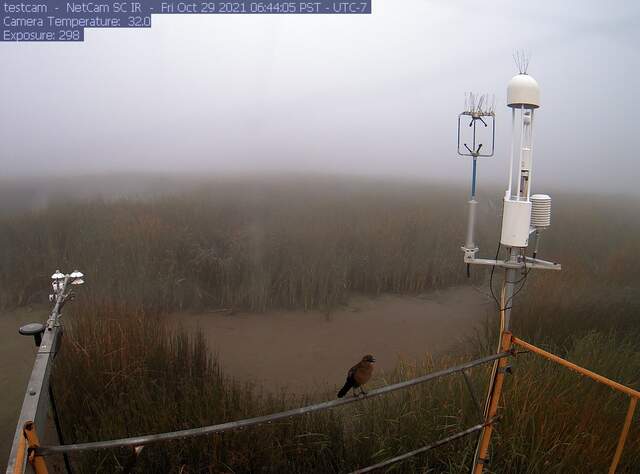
(156, 245)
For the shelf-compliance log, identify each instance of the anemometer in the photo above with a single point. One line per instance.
(523, 213)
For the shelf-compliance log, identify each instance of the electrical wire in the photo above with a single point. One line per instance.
(523, 279)
(56, 422)
(493, 269)
(494, 369)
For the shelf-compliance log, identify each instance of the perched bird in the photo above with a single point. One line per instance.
(358, 375)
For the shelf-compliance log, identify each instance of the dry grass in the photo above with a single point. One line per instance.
(137, 378)
(251, 245)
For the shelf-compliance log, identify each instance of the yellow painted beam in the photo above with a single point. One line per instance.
(623, 435)
(18, 467)
(485, 437)
(36, 460)
(576, 368)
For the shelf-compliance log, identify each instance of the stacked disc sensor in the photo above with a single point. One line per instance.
(540, 210)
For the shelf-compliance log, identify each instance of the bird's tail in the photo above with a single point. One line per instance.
(343, 391)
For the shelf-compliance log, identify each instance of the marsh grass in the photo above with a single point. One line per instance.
(126, 374)
(240, 246)
(307, 244)
(138, 377)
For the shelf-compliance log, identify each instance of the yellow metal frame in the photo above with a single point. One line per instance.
(492, 410)
(35, 459)
(29, 444)
(634, 395)
(18, 467)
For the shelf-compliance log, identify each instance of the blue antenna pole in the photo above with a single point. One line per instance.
(473, 178)
(470, 245)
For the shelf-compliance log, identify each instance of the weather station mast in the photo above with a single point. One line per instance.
(524, 217)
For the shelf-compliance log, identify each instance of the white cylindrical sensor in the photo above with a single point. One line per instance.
(540, 210)
(516, 217)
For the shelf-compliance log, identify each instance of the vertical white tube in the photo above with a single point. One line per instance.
(530, 156)
(513, 122)
(520, 145)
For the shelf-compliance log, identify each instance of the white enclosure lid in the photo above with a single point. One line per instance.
(541, 197)
(523, 90)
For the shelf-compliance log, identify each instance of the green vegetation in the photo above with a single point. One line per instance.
(248, 245)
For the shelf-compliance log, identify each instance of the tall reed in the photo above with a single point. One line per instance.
(253, 245)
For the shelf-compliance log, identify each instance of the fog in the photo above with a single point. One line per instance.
(373, 95)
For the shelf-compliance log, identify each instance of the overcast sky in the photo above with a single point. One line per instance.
(374, 94)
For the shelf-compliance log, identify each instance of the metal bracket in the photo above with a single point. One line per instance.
(469, 254)
(507, 369)
(531, 263)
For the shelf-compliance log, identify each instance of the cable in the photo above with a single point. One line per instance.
(493, 269)
(56, 422)
(523, 280)
(510, 300)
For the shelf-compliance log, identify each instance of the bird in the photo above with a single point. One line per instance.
(358, 375)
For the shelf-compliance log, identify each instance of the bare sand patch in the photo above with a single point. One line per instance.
(302, 351)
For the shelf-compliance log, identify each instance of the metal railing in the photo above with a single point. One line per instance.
(634, 395)
(140, 441)
(27, 451)
(37, 452)
(35, 406)
(410, 454)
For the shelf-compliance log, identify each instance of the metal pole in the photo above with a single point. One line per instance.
(510, 277)
(496, 384)
(471, 224)
(138, 441)
(485, 437)
(35, 460)
(623, 435)
(411, 454)
(35, 406)
(470, 245)
(576, 368)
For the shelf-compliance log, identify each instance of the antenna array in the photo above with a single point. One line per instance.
(522, 58)
(479, 104)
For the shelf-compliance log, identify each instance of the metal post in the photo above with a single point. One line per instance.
(471, 224)
(35, 406)
(510, 277)
(623, 435)
(485, 437)
(470, 248)
(495, 386)
(36, 460)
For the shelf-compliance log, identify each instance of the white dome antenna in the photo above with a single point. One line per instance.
(523, 214)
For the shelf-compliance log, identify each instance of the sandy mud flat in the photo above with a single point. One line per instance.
(292, 350)
(301, 351)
